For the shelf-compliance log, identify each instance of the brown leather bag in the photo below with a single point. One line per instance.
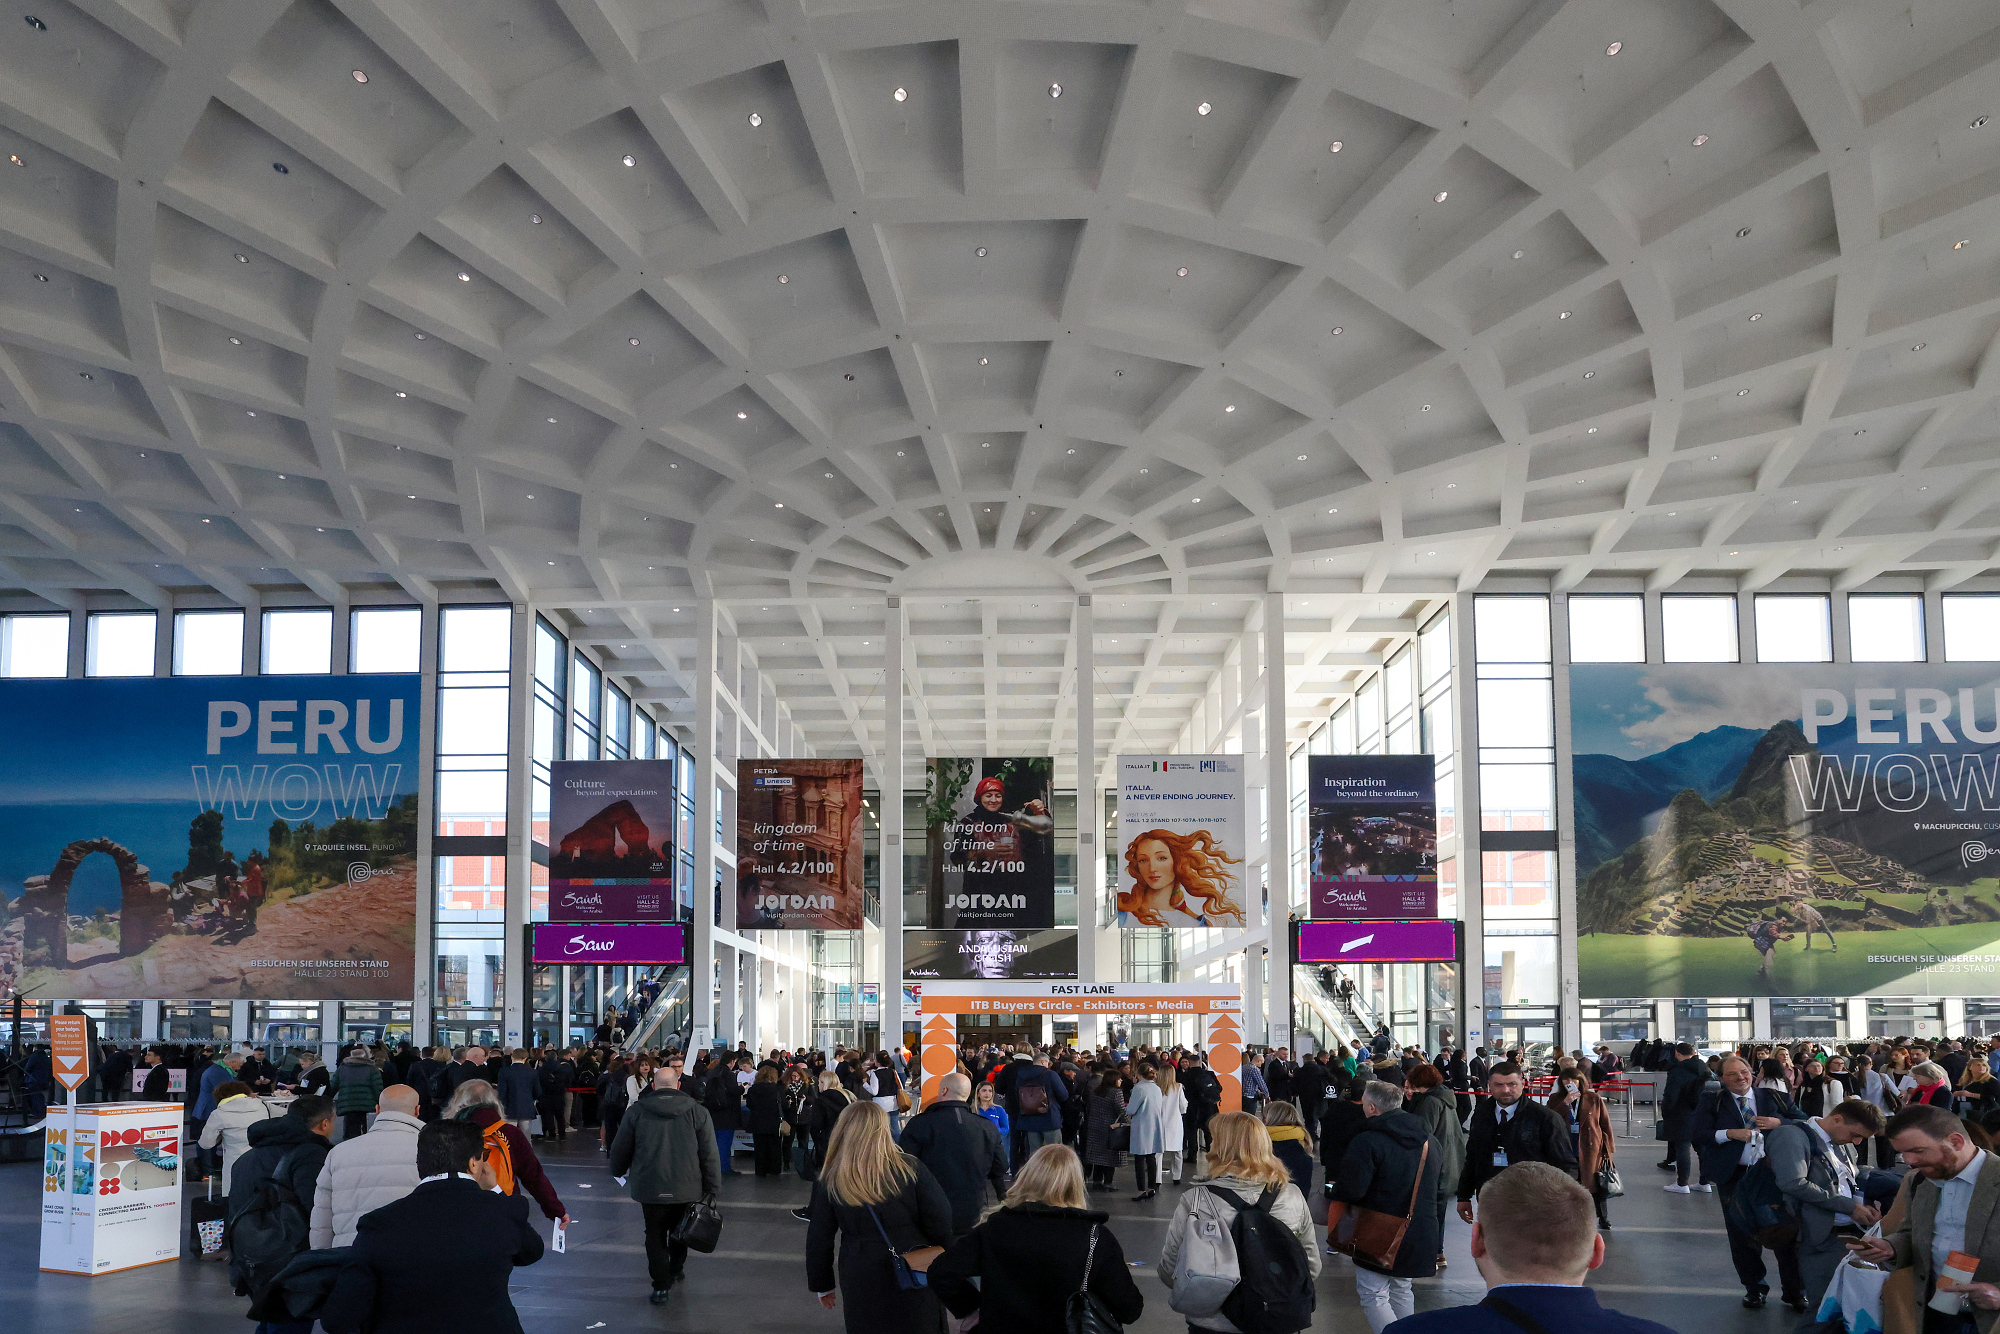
(1370, 1234)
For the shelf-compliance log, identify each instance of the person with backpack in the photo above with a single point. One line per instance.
(513, 1157)
(667, 1152)
(1035, 1101)
(1033, 1255)
(357, 1087)
(1727, 1128)
(1392, 1167)
(1240, 1253)
(270, 1198)
(1812, 1165)
(438, 1260)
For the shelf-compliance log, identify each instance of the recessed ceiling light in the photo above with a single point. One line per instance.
(35, 23)
(207, 521)
(401, 394)
(1335, 146)
(1197, 500)
(409, 497)
(1055, 90)
(15, 158)
(1440, 196)
(1733, 553)
(742, 416)
(1302, 458)
(629, 160)
(1520, 254)
(535, 218)
(784, 277)
(1978, 124)
(1338, 331)
(779, 505)
(756, 119)
(281, 169)
(829, 475)
(1451, 486)
(465, 277)
(1564, 315)
(85, 375)
(1713, 457)
(1742, 232)
(1960, 245)
(1614, 48)
(422, 336)
(901, 94)
(1590, 375)
(319, 530)
(1203, 109)
(531, 495)
(1229, 407)
(1427, 407)
(41, 277)
(1144, 471)
(982, 361)
(1699, 140)
(235, 341)
(360, 75)
(243, 259)
(1181, 272)
(1756, 315)
(901, 454)
(1918, 347)
(986, 444)
(552, 421)
(1070, 451)
(1591, 431)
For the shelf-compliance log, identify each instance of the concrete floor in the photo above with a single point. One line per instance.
(1668, 1262)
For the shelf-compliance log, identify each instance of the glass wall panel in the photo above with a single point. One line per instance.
(206, 643)
(1972, 627)
(385, 639)
(119, 643)
(1607, 628)
(1698, 627)
(1794, 627)
(1885, 627)
(34, 645)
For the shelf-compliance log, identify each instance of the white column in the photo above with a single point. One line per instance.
(730, 996)
(253, 639)
(1471, 881)
(892, 825)
(1255, 738)
(1760, 1018)
(1278, 805)
(79, 640)
(1089, 820)
(520, 827)
(1954, 1016)
(701, 952)
(422, 1017)
(342, 653)
(239, 1022)
(1569, 1017)
(149, 1021)
(1857, 1018)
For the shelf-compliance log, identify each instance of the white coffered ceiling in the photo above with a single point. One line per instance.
(615, 305)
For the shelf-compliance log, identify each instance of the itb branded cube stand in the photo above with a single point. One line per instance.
(111, 1187)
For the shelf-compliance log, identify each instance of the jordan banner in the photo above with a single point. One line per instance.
(799, 844)
(611, 854)
(258, 837)
(1372, 822)
(990, 843)
(1787, 830)
(1180, 824)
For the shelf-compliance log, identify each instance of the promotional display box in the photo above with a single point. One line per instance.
(111, 1200)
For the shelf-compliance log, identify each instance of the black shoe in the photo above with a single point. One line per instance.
(1753, 1301)
(802, 1213)
(1797, 1303)
(659, 1297)
(1664, 1167)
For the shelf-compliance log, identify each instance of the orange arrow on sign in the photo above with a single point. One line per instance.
(69, 1049)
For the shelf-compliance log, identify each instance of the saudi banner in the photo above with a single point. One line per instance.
(1787, 830)
(1373, 830)
(799, 844)
(1181, 829)
(611, 854)
(990, 840)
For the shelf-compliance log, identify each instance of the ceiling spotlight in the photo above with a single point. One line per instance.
(1427, 407)
(1590, 375)
(15, 158)
(742, 416)
(1590, 430)
(1699, 140)
(633, 341)
(1451, 486)
(41, 277)
(629, 160)
(35, 23)
(1733, 553)
(1742, 232)
(235, 341)
(1229, 407)
(1055, 90)
(779, 505)
(1520, 254)
(531, 495)
(421, 336)
(1203, 109)
(535, 218)
(1071, 450)
(360, 75)
(1742, 393)
(1756, 315)
(1335, 146)
(1440, 196)
(85, 375)
(986, 444)
(409, 497)
(401, 394)
(1614, 48)
(848, 376)
(1181, 272)
(982, 361)
(756, 119)
(829, 476)
(981, 252)
(552, 421)
(784, 277)
(1338, 331)
(208, 521)
(901, 94)
(1978, 124)
(1918, 347)
(1565, 315)
(465, 277)
(1197, 500)
(1302, 458)
(281, 169)
(243, 259)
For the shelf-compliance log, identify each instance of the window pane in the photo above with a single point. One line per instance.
(1434, 648)
(385, 639)
(1885, 627)
(583, 698)
(1607, 629)
(472, 722)
(1698, 628)
(477, 795)
(1794, 628)
(475, 639)
(1972, 627)
(1400, 683)
(1516, 713)
(119, 643)
(548, 656)
(208, 643)
(298, 642)
(1510, 629)
(34, 645)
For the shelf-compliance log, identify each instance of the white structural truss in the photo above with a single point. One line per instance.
(621, 308)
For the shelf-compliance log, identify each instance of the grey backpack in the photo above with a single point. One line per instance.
(1207, 1271)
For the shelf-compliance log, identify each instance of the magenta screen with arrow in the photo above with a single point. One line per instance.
(1377, 942)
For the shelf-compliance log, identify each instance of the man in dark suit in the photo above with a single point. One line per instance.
(451, 1235)
(1687, 1076)
(1278, 1074)
(1478, 1067)
(1507, 1128)
(1727, 1128)
(1309, 1084)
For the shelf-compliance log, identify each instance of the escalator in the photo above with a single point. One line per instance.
(667, 1022)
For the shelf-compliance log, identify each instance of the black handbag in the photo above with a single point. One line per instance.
(1085, 1312)
(1609, 1184)
(1121, 1138)
(700, 1227)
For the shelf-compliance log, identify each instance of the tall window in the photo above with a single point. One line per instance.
(298, 641)
(119, 643)
(1794, 627)
(586, 700)
(545, 738)
(34, 645)
(208, 643)
(385, 639)
(1607, 628)
(1439, 741)
(1972, 627)
(617, 724)
(1399, 682)
(1885, 627)
(1698, 627)
(472, 713)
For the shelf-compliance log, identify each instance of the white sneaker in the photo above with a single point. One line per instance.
(1679, 1190)
(1704, 1189)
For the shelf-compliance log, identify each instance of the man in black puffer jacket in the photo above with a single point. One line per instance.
(1391, 1162)
(962, 1149)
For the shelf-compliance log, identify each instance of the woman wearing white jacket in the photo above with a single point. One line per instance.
(1155, 1112)
(236, 1110)
(1240, 1161)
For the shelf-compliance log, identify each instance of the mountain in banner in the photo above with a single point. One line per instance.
(1615, 798)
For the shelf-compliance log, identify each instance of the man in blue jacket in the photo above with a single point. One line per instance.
(1535, 1240)
(1035, 1106)
(1727, 1127)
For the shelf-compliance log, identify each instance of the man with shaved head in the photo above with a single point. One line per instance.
(962, 1149)
(368, 1171)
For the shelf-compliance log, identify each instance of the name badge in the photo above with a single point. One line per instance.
(1499, 1157)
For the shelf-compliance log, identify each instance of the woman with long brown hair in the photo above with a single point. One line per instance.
(1577, 1106)
(892, 1218)
(1178, 880)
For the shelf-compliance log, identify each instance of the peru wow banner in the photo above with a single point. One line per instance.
(1787, 829)
(1182, 840)
(799, 844)
(259, 837)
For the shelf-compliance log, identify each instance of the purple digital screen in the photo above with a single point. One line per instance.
(609, 942)
(1378, 942)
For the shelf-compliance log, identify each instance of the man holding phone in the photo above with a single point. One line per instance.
(1814, 1166)
(1951, 1210)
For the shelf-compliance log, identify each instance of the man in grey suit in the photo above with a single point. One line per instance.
(1950, 1208)
(1815, 1169)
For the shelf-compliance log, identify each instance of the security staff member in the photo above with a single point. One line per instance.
(1509, 1128)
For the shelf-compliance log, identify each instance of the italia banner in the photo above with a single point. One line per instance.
(799, 844)
(1787, 830)
(1182, 834)
(989, 840)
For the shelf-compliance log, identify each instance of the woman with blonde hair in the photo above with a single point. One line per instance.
(892, 1218)
(1178, 880)
(1045, 1243)
(1291, 1142)
(1170, 1114)
(1240, 1161)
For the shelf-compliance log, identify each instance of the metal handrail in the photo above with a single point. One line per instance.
(672, 996)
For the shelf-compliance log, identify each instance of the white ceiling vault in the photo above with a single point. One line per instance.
(612, 306)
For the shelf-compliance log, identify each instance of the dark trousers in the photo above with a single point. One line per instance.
(1748, 1256)
(1099, 1173)
(1146, 1170)
(552, 1120)
(353, 1125)
(1680, 1152)
(770, 1159)
(665, 1257)
(1194, 1132)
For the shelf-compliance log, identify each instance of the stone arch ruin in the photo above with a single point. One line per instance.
(143, 912)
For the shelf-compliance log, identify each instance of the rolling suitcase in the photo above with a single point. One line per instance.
(207, 1216)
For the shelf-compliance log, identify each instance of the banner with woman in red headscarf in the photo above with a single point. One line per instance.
(991, 839)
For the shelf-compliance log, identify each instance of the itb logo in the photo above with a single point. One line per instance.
(1973, 850)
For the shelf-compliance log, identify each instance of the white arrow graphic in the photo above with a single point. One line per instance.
(1356, 944)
